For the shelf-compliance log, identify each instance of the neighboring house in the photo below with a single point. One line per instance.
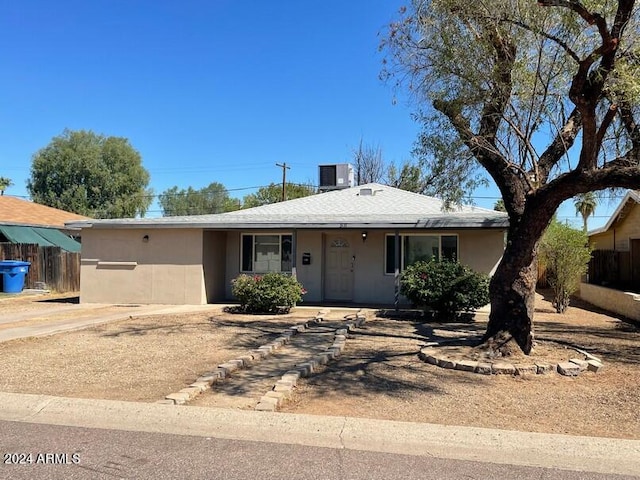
(616, 246)
(22, 221)
(614, 269)
(344, 246)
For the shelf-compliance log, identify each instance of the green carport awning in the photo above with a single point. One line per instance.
(45, 237)
(58, 238)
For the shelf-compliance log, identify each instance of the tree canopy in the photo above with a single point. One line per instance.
(543, 96)
(585, 204)
(90, 174)
(273, 194)
(213, 198)
(4, 184)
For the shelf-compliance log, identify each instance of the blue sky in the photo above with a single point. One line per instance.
(206, 90)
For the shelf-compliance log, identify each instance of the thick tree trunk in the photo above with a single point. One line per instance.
(512, 304)
(513, 287)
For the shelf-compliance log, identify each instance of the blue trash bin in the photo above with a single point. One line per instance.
(13, 273)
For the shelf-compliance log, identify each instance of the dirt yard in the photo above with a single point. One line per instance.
(378, 376)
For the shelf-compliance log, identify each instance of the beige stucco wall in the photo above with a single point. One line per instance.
(214, 259)
(480, 249)
(189, 266)
(627, 228)
(119, 267)
(622, 303)
(602, 241)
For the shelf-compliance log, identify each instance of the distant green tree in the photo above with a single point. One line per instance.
(421, 176)
(4, 184)
(211, 199)
(499, 206)
(585, 204)
(90, 174)
(273, 194)
(565, 253)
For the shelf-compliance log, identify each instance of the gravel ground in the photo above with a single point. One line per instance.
(378, 376)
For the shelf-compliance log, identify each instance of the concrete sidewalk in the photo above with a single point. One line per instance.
(589, 454)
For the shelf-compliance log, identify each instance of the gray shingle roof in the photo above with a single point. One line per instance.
(371, 206)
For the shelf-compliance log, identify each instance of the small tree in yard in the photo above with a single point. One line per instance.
(446, 287)
(565, 253)
(269, 293)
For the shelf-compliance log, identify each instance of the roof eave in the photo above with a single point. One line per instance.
(431, 225)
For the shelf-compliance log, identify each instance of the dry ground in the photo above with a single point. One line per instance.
(379, 375)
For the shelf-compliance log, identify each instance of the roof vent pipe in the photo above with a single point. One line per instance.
(366, 192)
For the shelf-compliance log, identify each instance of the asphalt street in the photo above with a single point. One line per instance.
(89, 453)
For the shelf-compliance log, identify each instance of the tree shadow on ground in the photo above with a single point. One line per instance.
(620, 343)
(424, 317)
(239, 334)
(379, 372)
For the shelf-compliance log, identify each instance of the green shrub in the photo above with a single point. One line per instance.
(565, 253)
(446, 287)
(269, 293)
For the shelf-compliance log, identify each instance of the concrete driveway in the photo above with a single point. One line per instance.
(35, 317)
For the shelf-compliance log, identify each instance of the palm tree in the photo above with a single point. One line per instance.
(585, 204)
(4, 184)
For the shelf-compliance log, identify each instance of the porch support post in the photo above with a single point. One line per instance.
(294, 254)
(396, 263)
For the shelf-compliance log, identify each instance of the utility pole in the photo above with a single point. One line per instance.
(284, 179)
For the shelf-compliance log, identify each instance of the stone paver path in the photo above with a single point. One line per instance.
(244, 388)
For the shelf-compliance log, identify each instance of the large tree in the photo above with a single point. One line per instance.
(213, 198)
(542, 95)
(273, 194)
(90, 174)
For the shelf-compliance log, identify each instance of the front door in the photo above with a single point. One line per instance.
(338, 269)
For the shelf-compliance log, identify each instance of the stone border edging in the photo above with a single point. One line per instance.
(283, 388)
(572, 368)
(225, 369)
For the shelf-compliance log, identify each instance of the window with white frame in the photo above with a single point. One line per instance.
(414, 248)
(266, 253)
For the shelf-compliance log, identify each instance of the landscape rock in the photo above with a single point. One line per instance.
(594, 365)
(503, 368)
(569, 369)
(522, 369)
(484, 368)
(583, 364)
(467, 365)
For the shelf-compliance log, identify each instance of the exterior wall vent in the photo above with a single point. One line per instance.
(335, 177)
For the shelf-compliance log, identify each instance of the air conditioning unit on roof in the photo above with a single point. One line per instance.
(336, 176)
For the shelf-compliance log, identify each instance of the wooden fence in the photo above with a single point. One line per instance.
(58, 269)
(610, 268)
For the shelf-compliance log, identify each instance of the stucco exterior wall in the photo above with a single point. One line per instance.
(310, 241)
(622, 303)
(480, 249)
(621, 232)
(214, 260)
(119, 266)
(602, 241)
(627, 228)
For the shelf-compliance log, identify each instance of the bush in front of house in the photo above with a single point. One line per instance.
(445, 287)
(269, 293)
